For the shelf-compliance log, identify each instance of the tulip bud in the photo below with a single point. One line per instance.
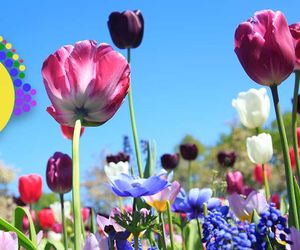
(264, 47)
(117, 158)
(25, 220)
(298, 136)
(234, 182)
(85, 212)
(189, 152)
(226, 159)
(169, 161)
(275, 198)
(292, 157)
(259, 148)
(30, 188)
(69, 131)
(126, 28)
(59, 173)
(253, 107)
(46, 218)
(295, 31)
(259, 174)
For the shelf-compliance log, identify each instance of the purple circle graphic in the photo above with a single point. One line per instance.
(27, 98)
(17, 82)
(19, 92)
(33, 103)
(17, 111)
(33, 92)
(26, 87)
(19, 102)
(26, 108)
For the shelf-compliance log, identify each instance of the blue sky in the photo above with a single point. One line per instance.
(184, 74)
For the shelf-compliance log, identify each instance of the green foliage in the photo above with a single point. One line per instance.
(45, 201)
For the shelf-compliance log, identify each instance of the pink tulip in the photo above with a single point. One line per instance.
(234, 182)
(264, 46)
(259, 174)
(68, 131)
(159, 200)
(85, 82)
(8, 240)
(295, 31)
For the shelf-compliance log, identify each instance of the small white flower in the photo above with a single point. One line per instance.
(114, 169)
(260, 148)
(253, 107)
(52, 236)
(56, 208)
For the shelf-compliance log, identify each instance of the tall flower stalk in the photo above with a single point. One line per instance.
(76, 185)
(62, 203)
(133, 125)
(287, 163)
(294, 122)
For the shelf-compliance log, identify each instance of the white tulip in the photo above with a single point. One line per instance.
(52, 236)
(260, 148)
(56, 208)
(115, 169)
(253, 107)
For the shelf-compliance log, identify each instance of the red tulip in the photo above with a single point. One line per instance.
(275, 198)
(46, 218)
(85, 81)
(295, 31)
(30, 188)
(264, 46)
(234, 182)
(85, 212)
(298, 136)
(59, 173)
(68, 131)
(292, 157)
(259, 175)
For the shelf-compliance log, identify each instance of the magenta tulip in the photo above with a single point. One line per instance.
(295, 31)
(235, 182)
(85, 82)
(59, 173)
(264, 46)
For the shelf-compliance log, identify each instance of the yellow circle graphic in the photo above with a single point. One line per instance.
(7, 96)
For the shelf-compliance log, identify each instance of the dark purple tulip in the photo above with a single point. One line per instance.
(117, 158)
(226, 159)
(298, 104)
(59, 173)
(169, 161)
(235, 182)
(189, 152)
(126, 28)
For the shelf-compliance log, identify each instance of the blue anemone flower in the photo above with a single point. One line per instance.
(193, 202)
(127, 186)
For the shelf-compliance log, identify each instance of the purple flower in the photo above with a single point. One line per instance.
(169, 161)
(8, 240)
(127, 186)
(193, 202)
(189, 152)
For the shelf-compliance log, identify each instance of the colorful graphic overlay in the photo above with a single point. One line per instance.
(16, 95)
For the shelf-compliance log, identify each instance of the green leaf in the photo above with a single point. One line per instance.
(297, 194)
(93, 221)
(255, 217)
(20, 212)
(283, 205)
(57, 245)
(151, 160)
(23, 240)
(191, 236)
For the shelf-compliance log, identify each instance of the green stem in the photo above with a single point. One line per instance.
(294, 122)
(266, 183)
(287, 164)
(162, 225)
(200, 233)
(111, 244)
(205, 209)
(62, 204)
(182, 233)
(136, 241)
(189, 175)
(133, 125)
(76, 185)
(170, 225)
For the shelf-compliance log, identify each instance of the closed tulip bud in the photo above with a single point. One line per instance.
(253, 107)
(260, 148)
(275, 198)
(226, 159)
(59, 173)
(85, 212)
(259, 174)
(298, 136)
(295, 31)
(292, 157)
(30, 188)
(68, 131)
(235, 182)
(126, 28)
(169, 161)
(189, 152)
(46, 218)
(264, 47)
(117, 158)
